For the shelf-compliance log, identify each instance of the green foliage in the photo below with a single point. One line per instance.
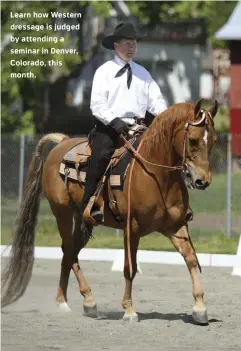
(156, 12)
(101, 8)
(27, 124)
(23, 88)
(153, 12)
(209, 10)
(42, 73)
(29, 90)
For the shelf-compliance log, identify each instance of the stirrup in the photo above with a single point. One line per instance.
(93, 217)
(97, 215)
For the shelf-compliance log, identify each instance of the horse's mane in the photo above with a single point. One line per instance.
(160, 133)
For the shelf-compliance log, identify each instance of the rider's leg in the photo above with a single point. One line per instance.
(103, 143)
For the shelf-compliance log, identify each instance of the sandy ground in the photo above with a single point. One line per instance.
(162, 297)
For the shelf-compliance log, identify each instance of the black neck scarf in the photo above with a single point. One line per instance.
(129, 74)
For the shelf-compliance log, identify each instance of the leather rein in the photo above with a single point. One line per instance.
(136, 155)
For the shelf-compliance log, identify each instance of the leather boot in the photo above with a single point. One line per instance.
(90, 187)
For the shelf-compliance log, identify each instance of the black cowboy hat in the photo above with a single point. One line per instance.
(122, 31)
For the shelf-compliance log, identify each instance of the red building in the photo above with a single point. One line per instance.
(231, 31)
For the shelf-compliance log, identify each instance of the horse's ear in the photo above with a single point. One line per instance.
(197, 107)
(213, 110)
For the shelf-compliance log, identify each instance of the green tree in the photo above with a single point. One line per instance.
(30, 91)
(216, 13)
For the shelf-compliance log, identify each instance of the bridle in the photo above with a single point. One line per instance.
(205, 118)
(206, 115)
(183, 168)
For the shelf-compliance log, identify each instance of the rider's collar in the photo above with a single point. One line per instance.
(121, 62)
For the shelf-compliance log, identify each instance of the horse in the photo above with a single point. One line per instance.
(172, 157)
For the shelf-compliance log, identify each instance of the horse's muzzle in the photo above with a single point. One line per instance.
(192, 181)
(201, 184)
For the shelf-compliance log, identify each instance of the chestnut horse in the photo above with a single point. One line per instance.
(159, 202)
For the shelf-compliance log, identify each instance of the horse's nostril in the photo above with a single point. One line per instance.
(200, 184)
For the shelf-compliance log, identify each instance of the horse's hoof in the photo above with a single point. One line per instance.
(200, 317)
(90, 311)
(63, 307)
(131, 318)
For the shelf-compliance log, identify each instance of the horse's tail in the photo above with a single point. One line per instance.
(18, 271)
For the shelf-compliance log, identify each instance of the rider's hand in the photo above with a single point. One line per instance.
(119, 126)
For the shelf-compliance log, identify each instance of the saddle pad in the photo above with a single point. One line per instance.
(77, 153)
(84, 149)
(115, 180)
(80, 152)
(117, 173)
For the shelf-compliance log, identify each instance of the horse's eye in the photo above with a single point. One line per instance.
(193, 141)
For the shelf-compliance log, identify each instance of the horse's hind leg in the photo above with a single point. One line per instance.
(80, 240)
(182, 242)
(72, 243)
(64, 218)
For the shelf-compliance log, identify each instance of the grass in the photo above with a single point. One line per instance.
(212, 202)
(204, 241)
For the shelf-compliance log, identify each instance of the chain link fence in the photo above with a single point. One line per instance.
(210, 207)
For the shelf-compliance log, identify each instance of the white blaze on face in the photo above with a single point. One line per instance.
(205, 137)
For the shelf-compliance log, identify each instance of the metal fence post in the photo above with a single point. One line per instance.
(117, 232)
(21, 167)
(229, 188)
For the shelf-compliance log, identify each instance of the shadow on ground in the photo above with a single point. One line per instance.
(186, 318)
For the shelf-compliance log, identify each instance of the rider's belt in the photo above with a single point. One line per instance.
(138, 120)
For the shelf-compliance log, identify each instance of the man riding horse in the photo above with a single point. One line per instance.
(121, 94)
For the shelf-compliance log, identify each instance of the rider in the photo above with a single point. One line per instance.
(121, 92)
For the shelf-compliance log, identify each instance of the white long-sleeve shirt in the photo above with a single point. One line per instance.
(111, 98)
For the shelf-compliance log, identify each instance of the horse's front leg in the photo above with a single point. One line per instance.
(182, 242)
(130, 315)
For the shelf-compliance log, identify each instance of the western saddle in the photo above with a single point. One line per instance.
(74, 166)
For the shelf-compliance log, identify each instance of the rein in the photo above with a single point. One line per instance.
(137, 155)
(168, 168)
